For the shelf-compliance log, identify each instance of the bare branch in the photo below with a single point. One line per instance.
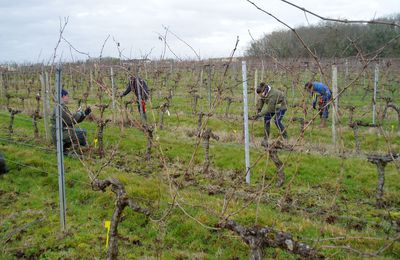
(102, 47)
(297, 35)
(341, 20)
(197, 55)
(259, 238)
(75, 49)
(166, 45)
(62, 28)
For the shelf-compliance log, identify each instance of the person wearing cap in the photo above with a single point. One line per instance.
(71, 135)
(318, 89)
(271, 103)
(139, 87)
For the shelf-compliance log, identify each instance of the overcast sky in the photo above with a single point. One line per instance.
(29, 29)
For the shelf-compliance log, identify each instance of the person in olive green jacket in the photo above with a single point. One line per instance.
(71, 135)
(272, 103)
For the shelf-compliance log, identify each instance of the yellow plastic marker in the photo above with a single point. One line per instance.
(107, 225)
(95, 142)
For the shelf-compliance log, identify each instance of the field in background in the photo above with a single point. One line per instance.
(327, 201)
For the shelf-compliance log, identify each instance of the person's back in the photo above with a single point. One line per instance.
(278, 98)
(275, 101)
(321, 88)
(325, 95)
(276, 106)
(139, 87)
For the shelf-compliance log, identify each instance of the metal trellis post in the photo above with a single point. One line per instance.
(375, 88)
(209, 86)
(255, 87)
(246, 123)
(335, 103)
(113, 92)
(60, 155)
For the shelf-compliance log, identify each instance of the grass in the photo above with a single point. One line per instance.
(326, 197)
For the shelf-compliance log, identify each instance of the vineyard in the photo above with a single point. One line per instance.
(174, 186)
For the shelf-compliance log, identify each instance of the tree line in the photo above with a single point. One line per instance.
(330, 39)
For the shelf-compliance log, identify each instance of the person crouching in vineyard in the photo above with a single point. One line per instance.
(318, 89)
(71, 136)
(276, 106)
(139, 87)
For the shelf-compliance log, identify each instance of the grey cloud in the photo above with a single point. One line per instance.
(209, 26)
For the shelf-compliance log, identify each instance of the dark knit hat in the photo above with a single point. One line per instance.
(261, 87)
(64, 93)
(308, 85)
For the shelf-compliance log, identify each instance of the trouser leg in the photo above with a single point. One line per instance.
(142, 111)
(324, 111)
(278, 122)
(267, 124)
(81, 135)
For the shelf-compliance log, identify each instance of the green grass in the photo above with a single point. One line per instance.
(325, 196)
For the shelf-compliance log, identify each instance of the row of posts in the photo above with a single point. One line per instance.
(335, 107)
(46, 108)
(335, 96)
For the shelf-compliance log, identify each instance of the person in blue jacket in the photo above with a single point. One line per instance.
(321, 91)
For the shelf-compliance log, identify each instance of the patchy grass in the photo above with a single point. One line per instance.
(327, 200)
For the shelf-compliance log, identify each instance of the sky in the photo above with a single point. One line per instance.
(30, 29)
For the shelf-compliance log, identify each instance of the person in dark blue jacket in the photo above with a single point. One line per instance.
(142, 93)
(321, 91)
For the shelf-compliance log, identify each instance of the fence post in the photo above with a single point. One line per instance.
(60, 155)
(90, 81)
(113, 87)
(364, 81)
(375, 88)
(201, 77)
(255, 87)
(346, 72)
(209, 86)
(1, 86)
(44, 80)
(262, 71)
(334, 103)
(113, 92)
(246, 123)
(139, 89)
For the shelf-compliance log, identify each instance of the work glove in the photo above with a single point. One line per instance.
(121, 95)
(88, 110)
